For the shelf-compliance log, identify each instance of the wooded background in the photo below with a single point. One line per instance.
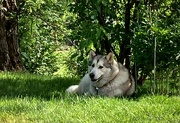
(143, 34)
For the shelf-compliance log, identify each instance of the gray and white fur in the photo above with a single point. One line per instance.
(105, 77)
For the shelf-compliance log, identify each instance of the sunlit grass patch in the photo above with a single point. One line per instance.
(91, 109)
(32, 98)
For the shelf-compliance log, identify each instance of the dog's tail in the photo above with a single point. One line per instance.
(73, 89)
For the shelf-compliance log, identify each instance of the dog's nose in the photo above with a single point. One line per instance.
(91, 75)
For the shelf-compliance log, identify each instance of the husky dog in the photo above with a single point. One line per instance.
(105, 77)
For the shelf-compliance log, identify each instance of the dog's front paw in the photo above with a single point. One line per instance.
(72, 89)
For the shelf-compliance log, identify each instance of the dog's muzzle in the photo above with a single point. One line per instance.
(92, 75)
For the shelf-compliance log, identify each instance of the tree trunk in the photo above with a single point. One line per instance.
(9, 46)
(124, 49)
(123, 46)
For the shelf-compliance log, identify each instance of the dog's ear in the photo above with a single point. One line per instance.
(110, 58)
(92, 54)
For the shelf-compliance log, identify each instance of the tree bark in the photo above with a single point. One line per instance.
(4, 57)
(9, 46)
(124, 47)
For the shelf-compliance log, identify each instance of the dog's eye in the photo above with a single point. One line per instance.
(100, 67)
(92, 65)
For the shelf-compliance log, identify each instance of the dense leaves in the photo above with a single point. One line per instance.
(42, 30)
(130, 29)
(102, 26)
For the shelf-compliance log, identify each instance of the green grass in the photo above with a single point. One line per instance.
(27, 98)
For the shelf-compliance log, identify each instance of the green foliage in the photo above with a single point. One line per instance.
(96, 22)
(153, 26)
(42, 30)
(44, 26)
(101, 23)
(67, 67)
(91, 29)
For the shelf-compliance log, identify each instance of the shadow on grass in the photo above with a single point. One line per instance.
(47, 87)
(23, 84)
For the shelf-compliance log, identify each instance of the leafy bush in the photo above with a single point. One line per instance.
(37, 46)
(42, 30)
(40, 58)
(67, 67)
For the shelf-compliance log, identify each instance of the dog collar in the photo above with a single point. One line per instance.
(97, 89)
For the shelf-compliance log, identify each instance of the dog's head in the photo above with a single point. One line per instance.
(100, 66)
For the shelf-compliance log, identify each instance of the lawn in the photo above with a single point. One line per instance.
(28, 98)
